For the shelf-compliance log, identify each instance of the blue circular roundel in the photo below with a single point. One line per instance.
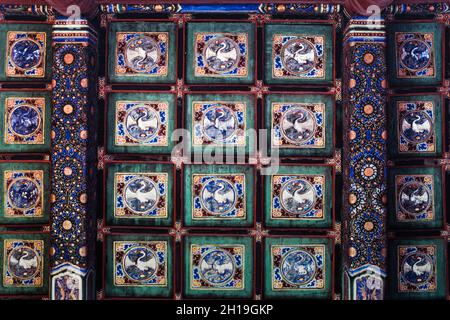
(415, 54)
(24, 120)
(217, 267)
(298, 267)
(417, 268)
(26, 54)
(140, 263)
(218, 196)
(23, 193)
(219, 123)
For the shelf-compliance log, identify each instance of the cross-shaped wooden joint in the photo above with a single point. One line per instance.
(336, 160)
(338, 90)
(259, 18)
(178, 231)
(178, 159)
(102, 157)
(336, 17)
(100, 294)
(101, 230)
(443, 17)
(259, 88)
(180, 19)
(180, 88)
(259, 232)
(445, 162)
(259, 160)
(105, 18)
(102, 88)
(336, 233)
(445, 90)
(446, 233)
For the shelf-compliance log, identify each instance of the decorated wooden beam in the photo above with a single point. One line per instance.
(364, 209)
(26, 10)
(270, 8)
(89, 8)
(419, 8)
(73, 157)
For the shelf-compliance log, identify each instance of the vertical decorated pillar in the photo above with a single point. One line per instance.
(364, 228)
(73, 158)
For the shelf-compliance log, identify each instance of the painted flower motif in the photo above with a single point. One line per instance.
(368, 226)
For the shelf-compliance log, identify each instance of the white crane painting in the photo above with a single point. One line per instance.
(219, 123)
(416, 126)
(142, 123)
(141, 53)
(217, 267)
(298, 196)
(415, 54)
(298, 125)
(298, 267)
(218, 196)
(141, 194)
(414, 197)
(222, 54)
(298, 56)
(23, 262)
(417, 268)
(140, 263)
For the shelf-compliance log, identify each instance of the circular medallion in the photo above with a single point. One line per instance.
(219, 123)
(416, 126)
(222, 54)
(298, 125)
(415, 54)
(139, 263)
(26, 54)
(218, 196)
(141, 194)
(298, 267)
(298, 196)
(24, 120)
(417, 268)
(298, 56)
(141, 123)
(23, 193)
(141, 54)
(217, 267)
(414, 197)
(23, 262)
